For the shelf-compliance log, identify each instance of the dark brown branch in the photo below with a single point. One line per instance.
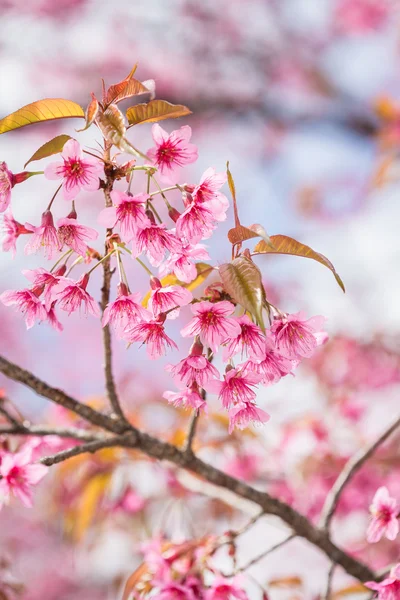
(14, 372)
(328, 591)
(44, 430)
(350, 469)
(82, 449)
(192, 431)
(9, 417)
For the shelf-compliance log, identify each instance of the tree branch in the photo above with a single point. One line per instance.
(44, 430)
(350, 469)
(82, 449)
(259, 557)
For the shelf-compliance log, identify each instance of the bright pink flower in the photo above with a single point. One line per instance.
(166, 298)
(72, 295)
(19, 475)
(195, 223)
(12, 230)
(251, 340)
(42, 278)
(297, 337)
(273, 366)
(236, 387)
(384, 511)
(244, 413)
(389, 588)
(77, 172)
(212, 323)
(175, 591)
(172, 150)
(44, 237)
(360, 16)
(187, 398)
(244, 465)
(74, 235)
(52, 318)
(129, 502)
(225, 589)
(208, 192)
(153, 335)
(182, 262)
(193, 369)
(128, 212)
(154, 241)
(26, 302)
(125, 311)
(6, 184)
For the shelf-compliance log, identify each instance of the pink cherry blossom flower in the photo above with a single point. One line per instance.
(42, 278)
(163, 299)
(389, 588)
(244, 465)
(225, 589)
(195, 223)
(125, 311)
(182, 262)
(245, 412)
(130, 502)
(28, 303)
(187, 398)
(360, 16)
(297, 337)
(74, 235)
(193, 369)
(44, 237)
(12, 230)
(154, 240)
(72, 295)
(128, 212)
(153, 335)
(236, 387)
(251, 340)
(52, 318)
(175, 591)
(384, 511)
(273, 366)
(208, 192)
(19, 475)
(212, 323)
(6, 184)
(172, 150)
(76, 172)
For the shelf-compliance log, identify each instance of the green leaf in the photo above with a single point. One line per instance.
(287, 245)
(51, 147)
(203, 271)
(41, 111)
(156, 110)
(242, 281)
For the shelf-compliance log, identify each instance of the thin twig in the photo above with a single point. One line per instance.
(9, 417)
(82, 449)
(192, 431)
(43, 430)
(259, 557)
(328, 591)
(350, 469)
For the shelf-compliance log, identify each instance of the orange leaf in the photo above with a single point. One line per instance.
(203, 271)
(287, 245)
(40, 111)
(51, 147)
(91, 113)
(126, 88)
(240, 234)
(156, 110)
(356, 588)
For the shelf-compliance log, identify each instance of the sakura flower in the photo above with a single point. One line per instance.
(74, 235)
(125, 311)
(129, 502)
(76, 172)
(155, 240)
(195, 223)
(6, 184)
(208, 192)
(193, 369)
(52, 318)
(236, 387)
(19, 475)
(172, 150)
(153, 335)
(384, 510)
(250, 340)
(27, 302)
(212, 323)
(175, 591)
(128, 213)
(12, 230)
(42, 278)
(389, 588)
(44, 236)
(360, 16)
(181, 262)
(72, 295)
(245, 412)
(166, 298)
(297, 337)
(272, 366)
(187, 398)
(225, 589)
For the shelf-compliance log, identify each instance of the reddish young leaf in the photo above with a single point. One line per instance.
(126, 88)
(51, 147)
(240, 234)
(40, 111)
(91, 113)
(112, 124)
(156, 110)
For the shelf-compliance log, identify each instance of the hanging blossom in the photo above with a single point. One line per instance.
(154, 240)
(196, 222)
(207, 192)
(195, 368)
(42, 279)
(76, 172)
(384, 512)
(153, 335)
(12, 230)
(273, 366)
(44, 237)
(128, 212)
(236, 387)
(389, 588)
(297, 337)
(212, 323)
(251, 340)
(125, 311)
(163, 299)
(6, 184)
(173, 150)
(182, 261)
(225, 589)
(19, 476)
(73, 234)
(189, 397)
(72, 295)
(244, 413)
(28, 303)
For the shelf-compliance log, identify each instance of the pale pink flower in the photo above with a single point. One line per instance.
(44, 237)
(193, 369)
(297, 337)
(42, 278)
(128, 212)
(187, 398)
(244, 413)
(153, 335)
(208, 192)
(129, 502)
(360, 16)
(172, 150)
(384, 512)
(6, 184)
(19, 475)
(244, 465)
(74, 235)
(182, 262)
(77, 172)
(175, 591)
(236, 387)
(225, 589)
(212, 323)
(154, 240)
(12, 230)
(28, 303)
(125, 311)
(273, 366)
(72, 295)
(195, 223)
(389, 588)
(163, 299)
(251, 340)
